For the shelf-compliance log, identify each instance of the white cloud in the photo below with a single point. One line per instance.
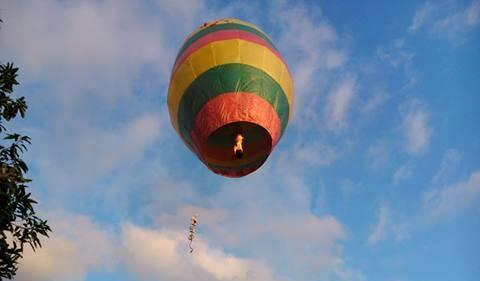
(157, 254)
(82, 65)
(276, 239)
(84, 48)
(77, 246)
(402, 173)
(348, 188)
(444, 20)
(228, 267)
(436, 206)
(314, 53)
(338, 103)
(455, 24)
(279, 226)
(421, 16)
(335, 58)
(473, 13)
(396, 56)
(97, 151)
(401, 230)
(315, 153)
(443, 203)
(108, 147)
(380, 229)
(416, 128)
(271, 222)
(450, 160)
(387, 227)
(91, 36)
(374, 102)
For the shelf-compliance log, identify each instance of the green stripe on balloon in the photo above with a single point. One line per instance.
(229, 78)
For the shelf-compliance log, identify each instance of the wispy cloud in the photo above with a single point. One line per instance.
(97, 151)
(421, 16)
(89, 44)
(416, 127)
(387, 227)
(374, 102)
(473, 13)
(446, 21)
(402, 173)
(315, 52)
(444, 203)
(448, 166)
(348, 188)
(338, 103)
(455, 24)
(315, 153)
(399, 55)
(437, 206)
(379, 231)
(395, 56)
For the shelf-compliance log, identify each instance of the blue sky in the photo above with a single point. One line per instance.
(376, 178)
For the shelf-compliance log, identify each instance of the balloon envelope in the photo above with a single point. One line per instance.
(229, 79)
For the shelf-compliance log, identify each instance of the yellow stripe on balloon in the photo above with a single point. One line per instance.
(225, 52)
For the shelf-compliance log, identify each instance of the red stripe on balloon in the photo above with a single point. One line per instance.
(241, 107)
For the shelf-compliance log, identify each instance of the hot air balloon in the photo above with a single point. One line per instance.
(230, 96)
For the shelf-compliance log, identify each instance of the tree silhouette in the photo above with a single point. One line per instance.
(19, 224)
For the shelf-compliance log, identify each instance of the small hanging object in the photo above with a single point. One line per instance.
(238, 148)
(191, 234)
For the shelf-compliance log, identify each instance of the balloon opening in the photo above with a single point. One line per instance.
(220, 156)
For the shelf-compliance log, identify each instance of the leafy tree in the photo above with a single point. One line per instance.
(19, 224)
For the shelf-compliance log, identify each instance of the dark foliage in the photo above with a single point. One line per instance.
(19, 225)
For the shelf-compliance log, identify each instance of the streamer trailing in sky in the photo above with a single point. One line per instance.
(230, 96)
